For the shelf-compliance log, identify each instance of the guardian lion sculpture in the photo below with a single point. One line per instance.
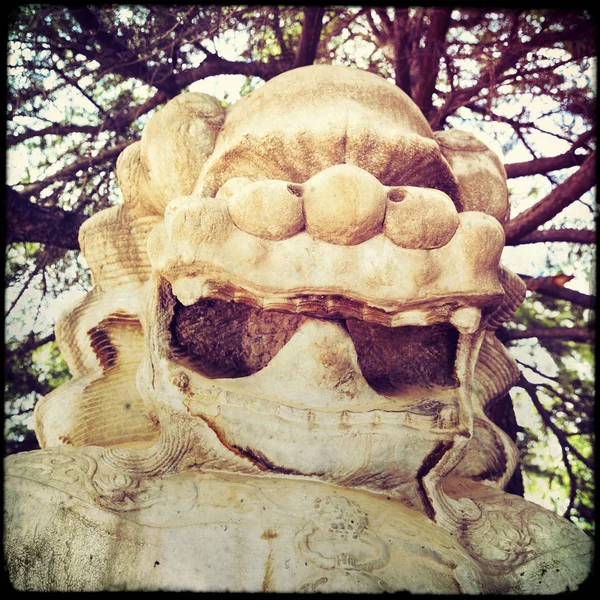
(281, 374)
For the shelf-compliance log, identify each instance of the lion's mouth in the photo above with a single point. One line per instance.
(254, 375)
(368, 370)
(220, 339)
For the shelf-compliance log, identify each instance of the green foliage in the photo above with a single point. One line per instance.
(566, 390)
(24, 387)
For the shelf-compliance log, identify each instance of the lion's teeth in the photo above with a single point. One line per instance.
(203, 289)
(186, 256)
(466, 319)
(189, 290)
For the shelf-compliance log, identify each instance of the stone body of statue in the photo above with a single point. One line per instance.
(281, 374)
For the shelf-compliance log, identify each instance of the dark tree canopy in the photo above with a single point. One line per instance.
(83, 80)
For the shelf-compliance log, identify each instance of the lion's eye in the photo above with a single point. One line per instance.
(268, 209)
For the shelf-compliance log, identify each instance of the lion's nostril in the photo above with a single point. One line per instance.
(396, 194)
(295, 190)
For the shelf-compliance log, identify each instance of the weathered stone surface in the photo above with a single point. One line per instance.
(281, 376)
(228, 339)
(102, 341)
(227, 532)
(201, 253)
(266, 209)
(313, 118)
(480, 174)
(174, 145)
(420, 218)
(343, 205)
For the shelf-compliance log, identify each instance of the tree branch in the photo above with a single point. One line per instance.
(552, 390)
(566, 193)
(531, 390)
(68, 171)
(435, 38)
(496, 74)
(17, 98)
(380, 35)
(568, 334)
(401, 43)
(24, 411)
(33, 344)
(517, 125)
(114, 51)
(573, 236)
(544, 165)
(59, 44)
(75, 82)
(32, 383)
(56, 129)
(137, 111)
(572, 483)
(563, 293)
(215, 65)
(311, 32)
(535, 370)
(277, 30)
(548, 287)
(28, 222)
(386, 23)
(117, 124)
(38, 267)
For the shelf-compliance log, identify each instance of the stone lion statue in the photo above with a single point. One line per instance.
(282, 372)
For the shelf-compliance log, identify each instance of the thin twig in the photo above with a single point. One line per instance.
(531, 390)
(572, 483)
(41, 264)
(535, 370)
(32, 344)
(554, 391)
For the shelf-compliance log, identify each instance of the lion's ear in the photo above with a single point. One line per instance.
(175, 144)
